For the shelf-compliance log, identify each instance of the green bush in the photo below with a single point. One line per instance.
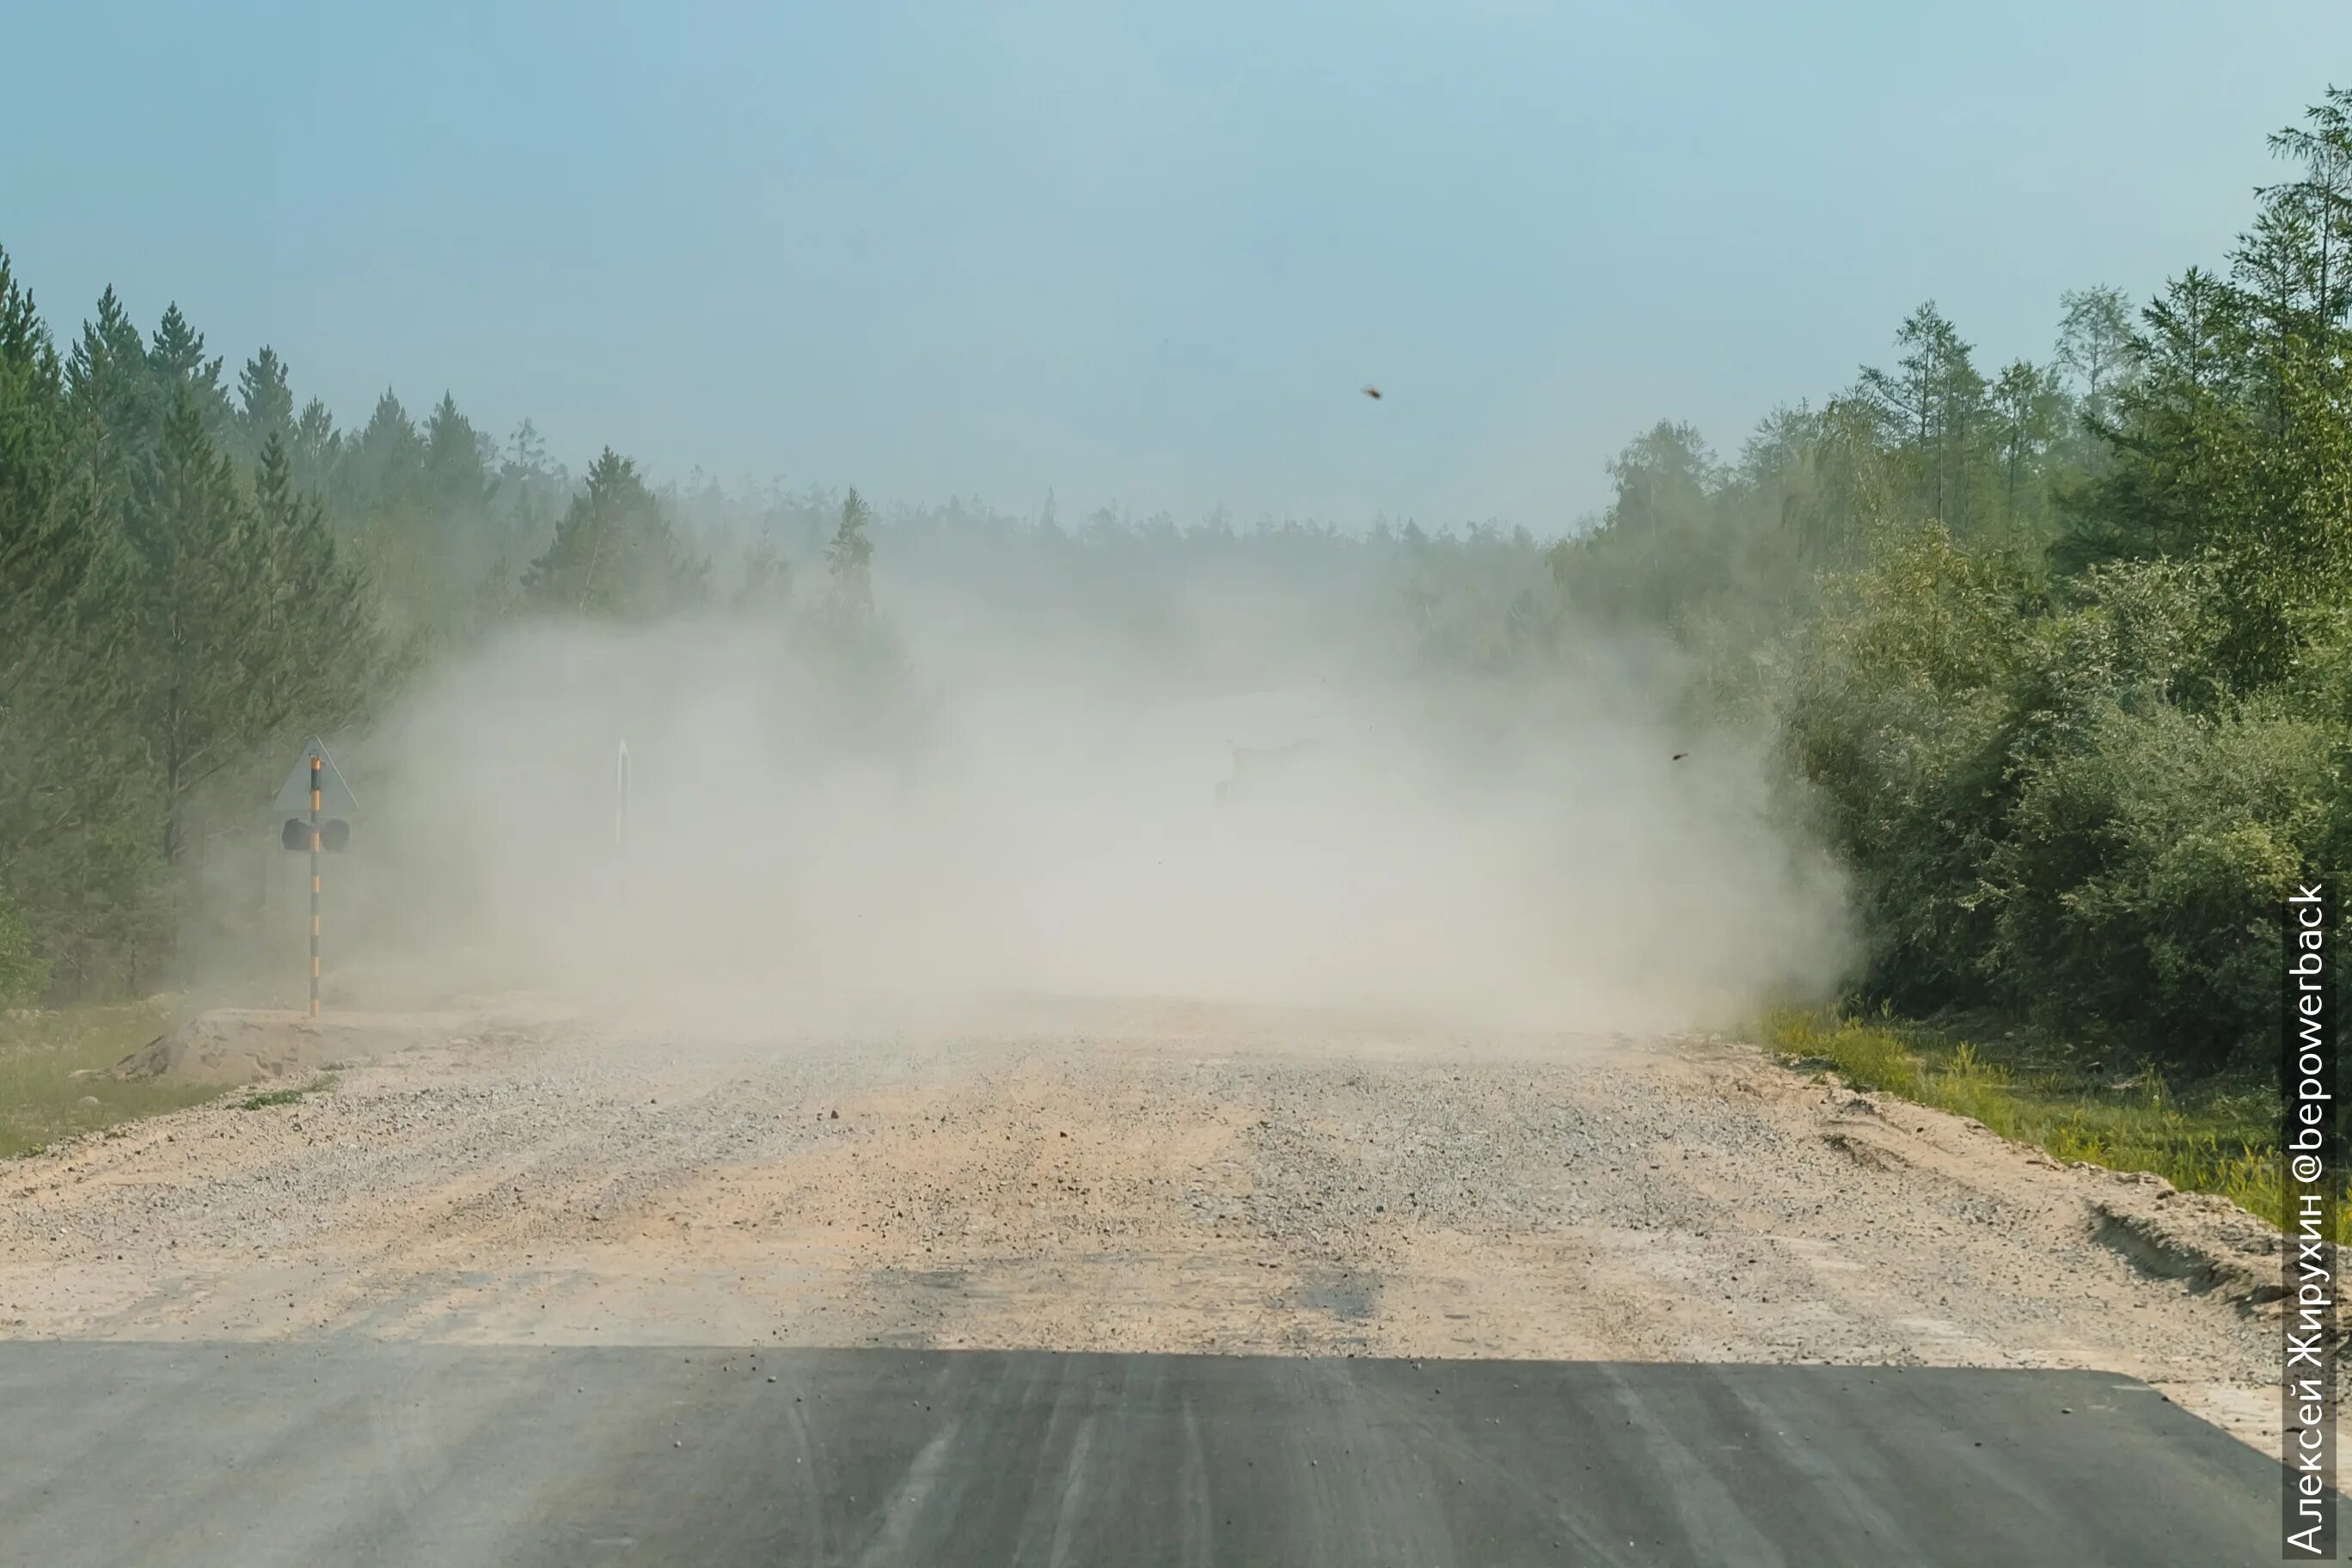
(2059, 812)
(2140, 886)
(1896, 717)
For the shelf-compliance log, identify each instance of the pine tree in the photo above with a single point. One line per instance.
(851, 643)
(316, 447)
(77, 821)
(384, 468)
(111, 393)
(31, 409)
(316, 656)
(2094, 341)
(1657, 545)
(766, 584)
(613, 553)
(250, 626)
(1933, 410)
(849, 558)
(2175, 436)
(2029, 412)
(75, 862)
(265, 404)
(176, 359)
(529, 486)
(42, 565)
(2233, 439)
(456, 465)
(198, 601)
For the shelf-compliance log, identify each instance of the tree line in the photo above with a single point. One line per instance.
(2055, 655)
(193, 575)
(2058, 656)
(196, 570)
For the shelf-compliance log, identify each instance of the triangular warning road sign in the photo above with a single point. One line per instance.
(335, 798)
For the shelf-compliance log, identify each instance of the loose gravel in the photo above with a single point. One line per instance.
(1107, 1177)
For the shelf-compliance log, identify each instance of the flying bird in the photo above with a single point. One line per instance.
(1373, 393)
(1680, 755)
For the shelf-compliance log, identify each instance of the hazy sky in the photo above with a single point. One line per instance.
(1141, 252)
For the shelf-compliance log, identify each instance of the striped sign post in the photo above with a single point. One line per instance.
(316, 760)
(317, 807)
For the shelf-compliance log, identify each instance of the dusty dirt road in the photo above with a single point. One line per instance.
(1101, 1177)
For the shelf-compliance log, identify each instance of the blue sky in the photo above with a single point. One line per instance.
(1142, 253)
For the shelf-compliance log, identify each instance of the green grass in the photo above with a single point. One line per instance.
(41, 1101)
(2217, 1138)
(267, 1098)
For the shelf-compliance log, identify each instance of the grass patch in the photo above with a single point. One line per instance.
(42, 1101)
(2218, 1137)
(267, 1098)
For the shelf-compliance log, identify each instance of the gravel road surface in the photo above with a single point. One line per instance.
(1109, 1177)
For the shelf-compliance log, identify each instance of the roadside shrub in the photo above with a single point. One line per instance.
(2139, 890)
(1898, 715)
(2059, 813)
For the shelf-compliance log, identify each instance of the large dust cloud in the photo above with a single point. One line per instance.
(1216, 785)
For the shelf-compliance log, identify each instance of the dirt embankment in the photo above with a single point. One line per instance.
(229, 1045)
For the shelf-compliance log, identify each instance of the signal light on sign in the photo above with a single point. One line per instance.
(334, 834)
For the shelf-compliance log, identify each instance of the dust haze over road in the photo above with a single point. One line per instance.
(1007, 803)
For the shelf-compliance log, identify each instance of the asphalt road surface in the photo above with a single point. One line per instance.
(455, 1455)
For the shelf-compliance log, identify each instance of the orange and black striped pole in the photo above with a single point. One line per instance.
(315, 760)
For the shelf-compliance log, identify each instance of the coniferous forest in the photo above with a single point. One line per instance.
(2054, 653)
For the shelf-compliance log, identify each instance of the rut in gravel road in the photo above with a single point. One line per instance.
(1107, 1177)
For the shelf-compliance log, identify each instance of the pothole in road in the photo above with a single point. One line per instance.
(1350, 1299)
